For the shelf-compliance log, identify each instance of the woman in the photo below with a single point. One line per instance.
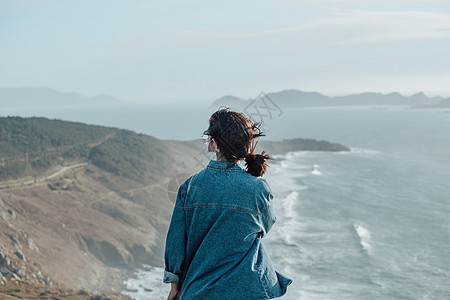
(213, 246)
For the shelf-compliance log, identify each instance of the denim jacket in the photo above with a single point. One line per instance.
(213, 245)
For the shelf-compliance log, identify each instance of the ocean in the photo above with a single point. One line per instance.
(372, 223)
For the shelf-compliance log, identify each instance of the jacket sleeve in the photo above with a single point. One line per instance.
(176, 239)
(268, 217)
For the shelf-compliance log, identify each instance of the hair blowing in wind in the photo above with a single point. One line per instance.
(235, 136)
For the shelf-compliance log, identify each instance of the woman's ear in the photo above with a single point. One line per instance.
(212, 146)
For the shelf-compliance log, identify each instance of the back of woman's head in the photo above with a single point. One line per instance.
(235, 136)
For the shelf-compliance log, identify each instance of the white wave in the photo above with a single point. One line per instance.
(364, 237)
(363, 151)
(285, 179)
(290, 154)
(315, 171)
(284, 164)
(278, 156)
(291, 164)
(288, 232)
(147, 284)
(288, 204)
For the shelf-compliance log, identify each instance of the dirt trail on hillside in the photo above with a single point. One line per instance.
(32, 182)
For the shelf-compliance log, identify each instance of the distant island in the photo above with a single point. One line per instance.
(83, 205)
(296, 98)
(44, 97)
(444, 103)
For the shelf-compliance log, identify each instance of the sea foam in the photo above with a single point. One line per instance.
(364, 237)
(289, 203)
(362, 151)
(315, 171)
(147, 284)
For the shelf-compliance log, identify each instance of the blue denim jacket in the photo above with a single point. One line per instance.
(213, 245)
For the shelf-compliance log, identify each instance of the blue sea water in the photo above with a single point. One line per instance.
(361, 225)
(373, 223)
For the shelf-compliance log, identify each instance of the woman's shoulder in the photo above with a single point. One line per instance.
(257, 182)
(185, 185)
(259, 188)
(240, 180)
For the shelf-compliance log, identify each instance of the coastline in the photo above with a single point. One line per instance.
(153, 288)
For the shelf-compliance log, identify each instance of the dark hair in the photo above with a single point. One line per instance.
(235, 136)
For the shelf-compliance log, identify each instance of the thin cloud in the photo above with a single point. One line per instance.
(354, 27)
(391, 26)
(229, 35)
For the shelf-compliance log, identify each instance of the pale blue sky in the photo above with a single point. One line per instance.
(152, 51)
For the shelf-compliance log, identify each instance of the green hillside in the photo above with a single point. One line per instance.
(32, 146)
(132, 156)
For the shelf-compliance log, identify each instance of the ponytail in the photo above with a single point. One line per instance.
(256, 163)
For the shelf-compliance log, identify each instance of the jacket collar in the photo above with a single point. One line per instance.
(224, 166)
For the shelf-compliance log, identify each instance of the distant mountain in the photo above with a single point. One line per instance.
(296, 98)
(230, 101)
(445, 103)
(43, 97)
(292, 98)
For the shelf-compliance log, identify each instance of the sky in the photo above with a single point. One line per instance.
(187, 50)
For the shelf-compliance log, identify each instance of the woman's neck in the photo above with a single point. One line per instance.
(222, 158)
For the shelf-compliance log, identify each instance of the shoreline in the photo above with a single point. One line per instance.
(146, 283)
